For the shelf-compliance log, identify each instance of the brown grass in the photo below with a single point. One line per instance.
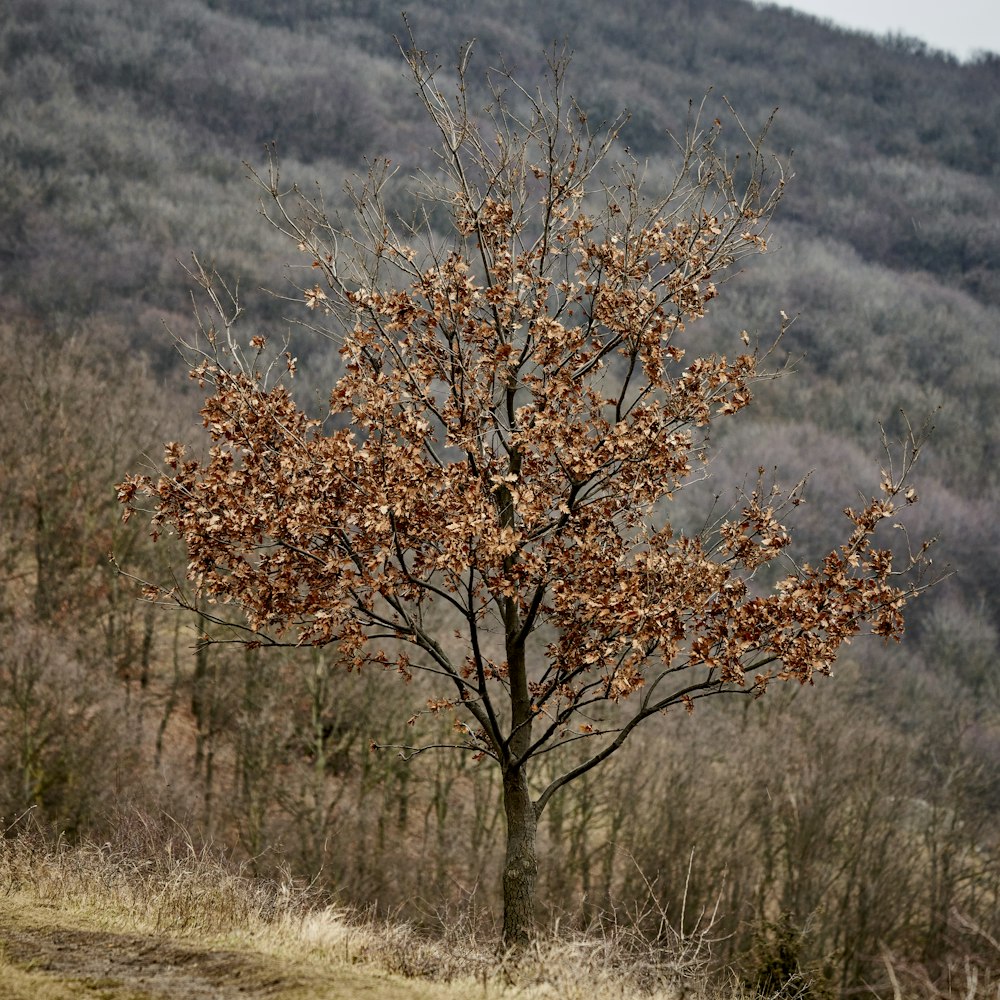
(172, 893)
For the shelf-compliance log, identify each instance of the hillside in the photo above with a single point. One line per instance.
(863, 811)
(125, 130)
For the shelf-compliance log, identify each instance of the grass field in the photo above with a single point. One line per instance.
(89, 922)
(51, 953)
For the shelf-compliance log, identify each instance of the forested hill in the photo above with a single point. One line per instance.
(143, 112)
(124, 127)
(854, 826)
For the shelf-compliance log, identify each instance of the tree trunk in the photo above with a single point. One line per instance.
(520, 863)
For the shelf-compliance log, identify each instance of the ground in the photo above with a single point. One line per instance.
(48, 953)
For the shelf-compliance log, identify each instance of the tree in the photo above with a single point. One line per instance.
(514, 416)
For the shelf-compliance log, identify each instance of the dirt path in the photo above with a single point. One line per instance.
(46, 956)
(113, 964)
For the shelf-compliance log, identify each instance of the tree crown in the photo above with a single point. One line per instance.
(514, 415)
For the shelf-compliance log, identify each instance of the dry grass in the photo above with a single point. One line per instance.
(170, 890)
(174, 892)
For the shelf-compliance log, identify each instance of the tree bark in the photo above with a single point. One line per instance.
(520, 863)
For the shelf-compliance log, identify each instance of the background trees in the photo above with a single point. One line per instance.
(76, 648)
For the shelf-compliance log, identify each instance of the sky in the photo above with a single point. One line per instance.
(957, 26)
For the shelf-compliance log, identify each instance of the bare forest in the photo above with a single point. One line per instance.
(786, 243)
